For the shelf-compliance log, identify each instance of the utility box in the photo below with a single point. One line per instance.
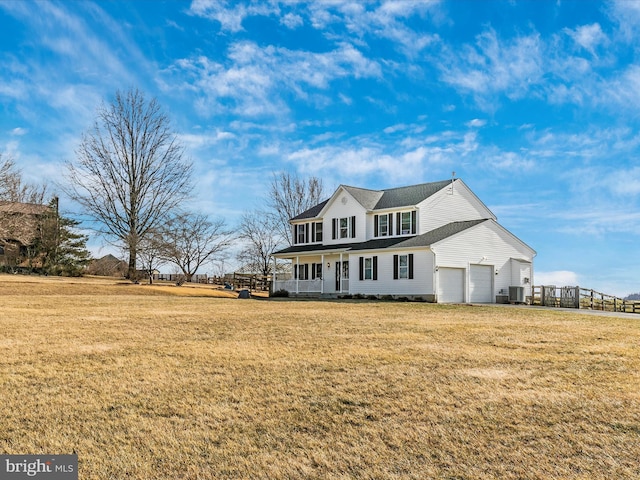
(516, 294)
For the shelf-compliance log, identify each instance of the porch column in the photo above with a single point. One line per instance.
(273, 276)
(297, 270)
(322, 276)
(341, 270)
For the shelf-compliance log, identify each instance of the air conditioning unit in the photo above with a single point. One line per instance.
(516, 294)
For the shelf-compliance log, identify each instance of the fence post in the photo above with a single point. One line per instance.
(592, 299)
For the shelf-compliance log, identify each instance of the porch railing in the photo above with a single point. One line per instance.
(299, 286)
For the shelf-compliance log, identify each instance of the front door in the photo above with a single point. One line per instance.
(342, 273)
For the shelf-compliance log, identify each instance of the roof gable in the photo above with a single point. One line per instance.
(379, 199)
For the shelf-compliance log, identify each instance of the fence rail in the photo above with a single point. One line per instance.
(578, 297)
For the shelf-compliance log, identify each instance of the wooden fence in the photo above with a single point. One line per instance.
(577, 297)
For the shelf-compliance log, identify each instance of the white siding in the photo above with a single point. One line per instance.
(338, 209)
(420, 285)
(485, 244)
(521, 275)
(445, 207)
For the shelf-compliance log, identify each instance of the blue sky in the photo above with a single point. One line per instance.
(534, 104)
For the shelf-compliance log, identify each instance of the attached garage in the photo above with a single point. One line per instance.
(450, 285)
(481, 284)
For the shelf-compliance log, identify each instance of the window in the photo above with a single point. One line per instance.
(316, 231)
(300, 233)
(383, 225)
(343, 228)
(369, 268)
(403, 266)
(316, 270)
(406, 223)
(301, 272)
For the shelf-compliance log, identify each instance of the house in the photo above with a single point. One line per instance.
(434, 241)
(20, 228)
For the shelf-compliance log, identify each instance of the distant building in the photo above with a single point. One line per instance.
(107, 266)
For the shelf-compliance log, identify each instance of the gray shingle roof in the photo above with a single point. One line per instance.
(367, 198)
(381, 199)
(312, 212)
(424, 240)
(409, 196)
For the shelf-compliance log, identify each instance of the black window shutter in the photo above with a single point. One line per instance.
(375, 225)
(295, 233)
(390, 227)
(353, 227)
(375, 268)
(334, 229)
(395, 267)
(413, 222)
(306, 233)
(306, 271)
(361, 268)
(313, 232)
(411, 266)
(313, 271)
(398, 223)
(295, 272)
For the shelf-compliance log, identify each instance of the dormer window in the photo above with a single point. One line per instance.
(383, 225)
(406, 223)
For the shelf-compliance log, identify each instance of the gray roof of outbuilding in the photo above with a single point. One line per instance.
(424, 240)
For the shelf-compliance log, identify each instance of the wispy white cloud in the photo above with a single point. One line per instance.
(292, 21)
(386, 19)
(589, 37)
(18, 131)
(476, 123)
(231, 14)
(251, 82)
(494, 67)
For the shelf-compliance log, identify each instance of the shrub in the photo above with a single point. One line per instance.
(372, 297)
(280, 293)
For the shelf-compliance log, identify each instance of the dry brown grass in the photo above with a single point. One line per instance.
(144, 384)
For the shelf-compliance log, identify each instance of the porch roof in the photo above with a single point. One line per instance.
(416, 241)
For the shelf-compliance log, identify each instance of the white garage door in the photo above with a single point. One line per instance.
(450, 285)
(481, 284)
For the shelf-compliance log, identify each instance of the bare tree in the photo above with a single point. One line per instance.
(150, 251)
(191, 239)
(13, 188)
(129, 171)
(259, 233)
(289, 196)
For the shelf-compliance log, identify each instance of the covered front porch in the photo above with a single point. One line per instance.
(325, 274)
